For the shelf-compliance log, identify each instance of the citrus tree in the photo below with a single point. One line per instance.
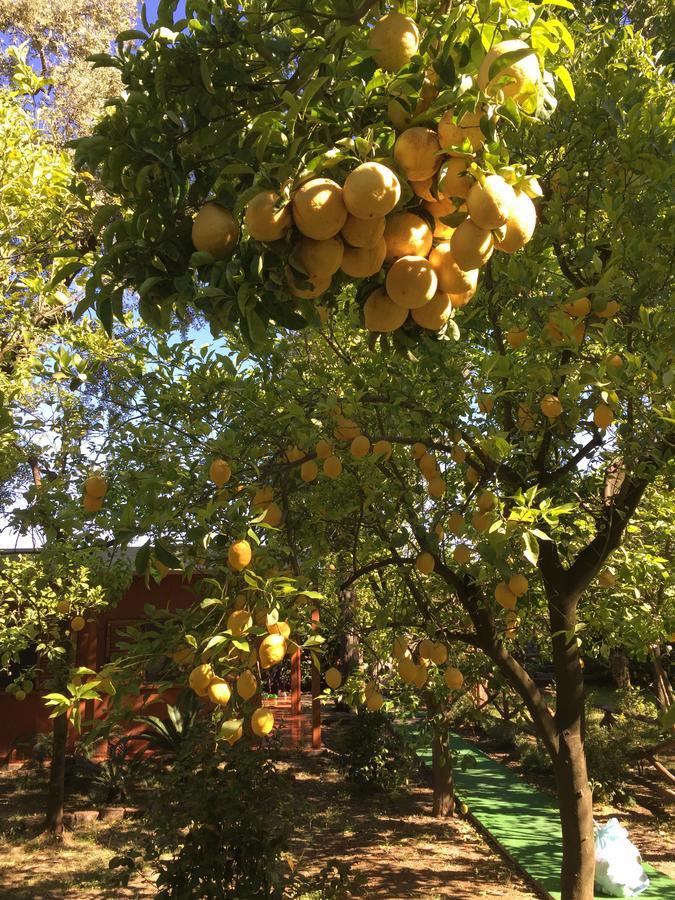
(264, 156)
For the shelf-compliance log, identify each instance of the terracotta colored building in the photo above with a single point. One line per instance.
(22, 721)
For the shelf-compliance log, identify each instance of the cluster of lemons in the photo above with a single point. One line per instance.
(412, 663)
(95, 489)
(360, 228)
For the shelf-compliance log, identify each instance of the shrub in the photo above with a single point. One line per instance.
(222, 823)
(375, 754)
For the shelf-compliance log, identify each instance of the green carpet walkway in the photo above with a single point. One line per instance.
(521, 819)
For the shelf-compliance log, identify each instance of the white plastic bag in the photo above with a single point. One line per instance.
(618, 866)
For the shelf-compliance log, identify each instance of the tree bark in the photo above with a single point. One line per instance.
(620, 667)
(662, 688)
(57, 774)
(442, 778)
(576, 818)
(350, 652)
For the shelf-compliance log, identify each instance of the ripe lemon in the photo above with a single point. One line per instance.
(451, 278)
(239, 555)
(456, 523)
(578, 308)
(239, 622)
(607, 578)
(279, 627)
(320, 259)
(318, 209)
(400, 646)
(516, 80)
(471, 246)
(505, 596)
(263, 497)
(220, 472)
(395, 39)
(481, 521)
(436, 487)
(219, 691)
(428, 466)
(371, 191)
(516, 336)
(417, 152)
(486, 501)
(265, 219)
(453, 678)
(381, 314)
(490, 204)
(315, 286)
(382, 448)
(603, 416)
(454, 179)
(518, 585)
(272, 650)
(422, 189)
(332, 467)
(362, 262)
(407, 669)
(418, 450)
(273, 515)
(461, 554)
(425, 563)
(611, 309)
(407, 234)
(551, 406)
(374, 700)
(262, 721)
(247, 685)
(294, 454)
(359, 447)
(323, 449)
(77, 623)
(411, 282)
(347, 429)
(333, 678)
(421, 675)
(424, 648)
(520, 224)
(363, 232)
(63, 607)
(200, 677)
(214, 230)
(92, 504)
(439, 653)
(452, 134)
(434, 314)
(438, 209)
(309, 470)
(96, 486)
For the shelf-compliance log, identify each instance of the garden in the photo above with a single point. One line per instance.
(336, 450)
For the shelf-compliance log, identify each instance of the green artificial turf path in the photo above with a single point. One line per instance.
(521, 819)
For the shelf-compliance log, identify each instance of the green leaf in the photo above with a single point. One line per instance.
(566, 80)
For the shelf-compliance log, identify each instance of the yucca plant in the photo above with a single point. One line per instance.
(166, 737)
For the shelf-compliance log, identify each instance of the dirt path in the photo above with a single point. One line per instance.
(401, 851)
(392, 842)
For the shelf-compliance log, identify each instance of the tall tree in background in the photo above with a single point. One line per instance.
(60, 36)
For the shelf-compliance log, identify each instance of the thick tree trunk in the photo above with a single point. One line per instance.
(57, 775)
(576, 818)
(620, 667)
(442, 778)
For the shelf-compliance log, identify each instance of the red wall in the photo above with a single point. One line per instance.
(20, 721)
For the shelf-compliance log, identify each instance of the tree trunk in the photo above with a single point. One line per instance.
(350, 652)
(662, 687)
(442, 778)
(620, 667)
(57, 774)
(576, 818)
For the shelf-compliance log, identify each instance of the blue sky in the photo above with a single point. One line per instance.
(151, 7)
